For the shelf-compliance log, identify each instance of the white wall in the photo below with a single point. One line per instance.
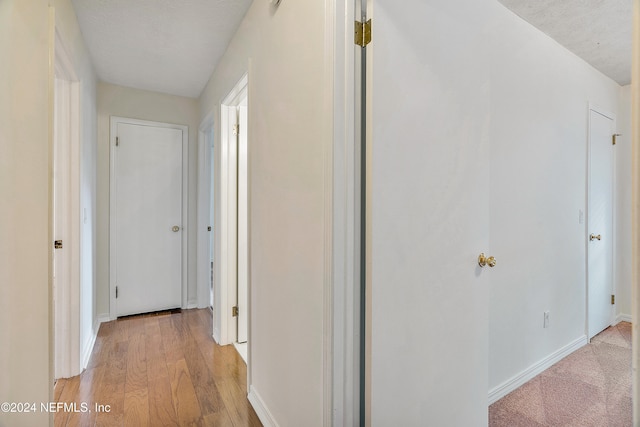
(69, 30)
(623, 205)
(140, 104)
(25, 165)
(539, 127)
(26, 109)
(289, 131)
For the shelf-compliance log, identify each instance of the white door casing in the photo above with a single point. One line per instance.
(148, 216)
(600, 237)
(243, 200)
(225, 327)
(66, 230)
(66, 217)
(429, 213)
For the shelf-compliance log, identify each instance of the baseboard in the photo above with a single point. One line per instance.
(261, 409)
(510, 385)
(216, 335)
(623, 318)
(192, 304)
(88, 347)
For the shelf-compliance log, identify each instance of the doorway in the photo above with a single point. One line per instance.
(600, 214)
(231, 311)
(148, 216)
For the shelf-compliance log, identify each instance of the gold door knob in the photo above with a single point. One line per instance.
(595, 237)
(175, 228)
(490, 261)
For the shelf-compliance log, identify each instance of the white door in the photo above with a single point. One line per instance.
(429, 212)
(600, 222)
(147, 218)
(243, 250)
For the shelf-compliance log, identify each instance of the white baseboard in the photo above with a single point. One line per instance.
(623, 318)
(261, 409)
(216, 335)
(88, 347)
(192, 304)
(510, 385)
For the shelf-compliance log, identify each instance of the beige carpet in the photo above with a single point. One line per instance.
(590, 387)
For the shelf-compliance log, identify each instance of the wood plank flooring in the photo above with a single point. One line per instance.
(163, 370)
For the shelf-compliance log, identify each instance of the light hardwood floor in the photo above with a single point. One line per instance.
(162, 370)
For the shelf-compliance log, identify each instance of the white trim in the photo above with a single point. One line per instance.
(259, 406)
(67, 347)
(226, 258)
(623, 318)
(343, 307)
(518, 380)
(88, 347)
(114, 120)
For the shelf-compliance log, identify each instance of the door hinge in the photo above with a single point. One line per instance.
(116, 292)
(234, 311)
(117, 141)
(236, 129)
(363, 33)
(614, 136)
(613, 299)
(57, 244)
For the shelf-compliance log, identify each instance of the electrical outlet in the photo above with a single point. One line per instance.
(546, 320)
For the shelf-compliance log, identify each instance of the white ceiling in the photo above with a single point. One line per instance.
(173, 46)
(599, 31)
(169, 46)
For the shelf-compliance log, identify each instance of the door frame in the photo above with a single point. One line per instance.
(344, 212)
(612, 117)
(225, 332)
(67, 350)
(205, 193)
(114, 121)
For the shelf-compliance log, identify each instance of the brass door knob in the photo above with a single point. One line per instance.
(595, 237)
(175, 228)
(483, 260)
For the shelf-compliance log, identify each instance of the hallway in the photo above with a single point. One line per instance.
(159, 370)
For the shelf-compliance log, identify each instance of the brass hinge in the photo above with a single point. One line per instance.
(234, 311)
(117, 141)
(57, 244)
(363, 33)
(614, 136)
(613, 299)
(116, 292)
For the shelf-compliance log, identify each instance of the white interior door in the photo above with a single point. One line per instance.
(147, 218)
(600, 222)
(243, 250)
(429, 212)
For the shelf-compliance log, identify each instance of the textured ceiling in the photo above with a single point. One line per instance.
(169, 46)
(599, 31)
